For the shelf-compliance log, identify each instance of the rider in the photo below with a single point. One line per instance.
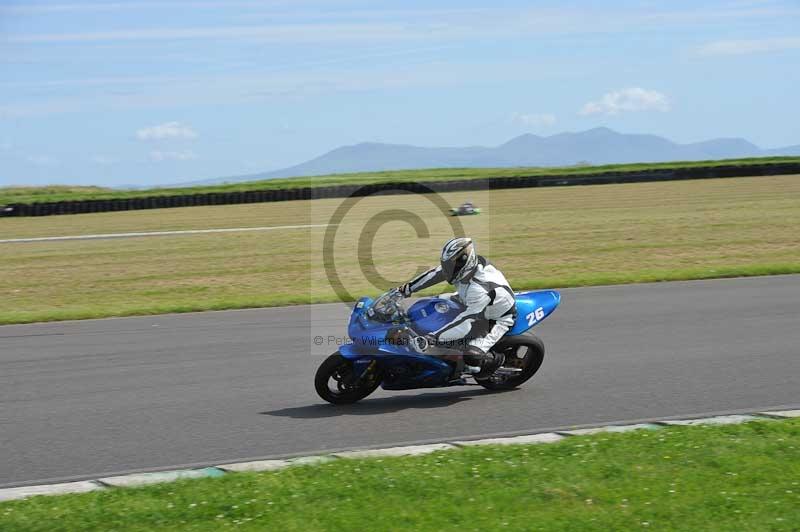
(483, 290)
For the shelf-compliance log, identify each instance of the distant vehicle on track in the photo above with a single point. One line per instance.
(465, 209)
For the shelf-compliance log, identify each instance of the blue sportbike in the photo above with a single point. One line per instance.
(388, 348)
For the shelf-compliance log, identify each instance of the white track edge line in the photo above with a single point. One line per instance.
(156, 233)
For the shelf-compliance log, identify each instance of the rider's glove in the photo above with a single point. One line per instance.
(404, 289)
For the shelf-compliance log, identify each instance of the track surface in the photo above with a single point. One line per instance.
(85, 399)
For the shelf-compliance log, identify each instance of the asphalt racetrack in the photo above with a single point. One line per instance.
(91, 398)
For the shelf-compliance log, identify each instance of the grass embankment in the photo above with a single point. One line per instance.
(553, 237)
(735, 477)
(10, 195)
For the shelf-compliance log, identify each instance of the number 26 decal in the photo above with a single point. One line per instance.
(535, 316)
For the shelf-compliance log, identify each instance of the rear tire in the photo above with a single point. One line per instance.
(346, 389)
(532, 361)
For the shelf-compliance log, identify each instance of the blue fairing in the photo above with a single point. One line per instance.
(432, 313)
(368, 335)
(532, 308)
(410, 369)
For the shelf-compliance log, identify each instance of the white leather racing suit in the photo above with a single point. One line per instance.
(489, 301)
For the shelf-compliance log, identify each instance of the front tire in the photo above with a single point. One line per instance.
(335, 382)
(530, 362)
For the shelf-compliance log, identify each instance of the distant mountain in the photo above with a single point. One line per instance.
(595, 146)
(787, 150)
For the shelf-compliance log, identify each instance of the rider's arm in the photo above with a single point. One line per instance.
(422, 281)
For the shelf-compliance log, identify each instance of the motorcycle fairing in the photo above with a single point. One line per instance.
(532, 308)
(426, 315)
(431, 314)
(427, 371)
(369, 343)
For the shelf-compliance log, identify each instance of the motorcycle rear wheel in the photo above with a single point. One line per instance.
(346, 388)
(532, 361)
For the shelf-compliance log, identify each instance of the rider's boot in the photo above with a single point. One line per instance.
(487, 362)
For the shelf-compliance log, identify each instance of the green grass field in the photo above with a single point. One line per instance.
(549, 237)
(735, 477)
(62, 193)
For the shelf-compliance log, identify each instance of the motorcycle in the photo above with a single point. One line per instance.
(388, 348)
(465, 209)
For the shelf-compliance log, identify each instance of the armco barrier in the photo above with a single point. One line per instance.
(342, 191)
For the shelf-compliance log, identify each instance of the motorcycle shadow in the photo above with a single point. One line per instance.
(382, 405)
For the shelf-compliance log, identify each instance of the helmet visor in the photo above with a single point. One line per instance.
(452, 267)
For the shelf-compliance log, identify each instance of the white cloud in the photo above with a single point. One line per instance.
(167, 130)
(630, 99)
(158, 156)
(534, 119)
(334, 24)
(260, 86)
(749, 46)
(116, 6)
(273, 33)
(41, 160)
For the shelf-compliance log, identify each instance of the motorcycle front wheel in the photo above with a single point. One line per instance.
(336, 383)
(525, 352)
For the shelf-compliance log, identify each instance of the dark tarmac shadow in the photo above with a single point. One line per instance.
(383, 405)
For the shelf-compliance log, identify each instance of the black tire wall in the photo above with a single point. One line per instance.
(342, 191)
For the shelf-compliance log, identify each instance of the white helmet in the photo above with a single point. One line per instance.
(458, 259)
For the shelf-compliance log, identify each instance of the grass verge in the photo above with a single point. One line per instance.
(541, 238)
(734, 477)
(10, 195)
(11, 317)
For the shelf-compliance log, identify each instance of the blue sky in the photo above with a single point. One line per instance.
(158, 92)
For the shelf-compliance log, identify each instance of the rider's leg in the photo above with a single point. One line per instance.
(453, 339)
(476, 338)
(479, 352)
